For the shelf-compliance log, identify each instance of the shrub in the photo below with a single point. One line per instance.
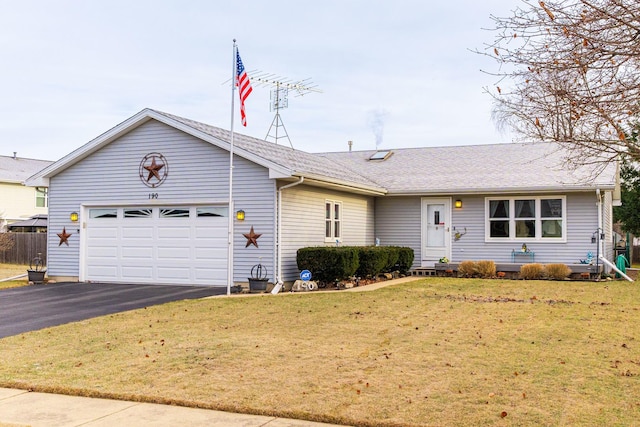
(467, 269)
(532, 271)
(393, 256)
(331, 263)
(372, 260)
(405, 259)
(486, 269)
(328, 264)
(557, 271)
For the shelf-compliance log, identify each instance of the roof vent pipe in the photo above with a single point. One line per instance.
(350, 145)
(15, 154)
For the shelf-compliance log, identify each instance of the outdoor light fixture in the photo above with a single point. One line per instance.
(240, 215)
(595, 237)
(74, 216)
(458, 204)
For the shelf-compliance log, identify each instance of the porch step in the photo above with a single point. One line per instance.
(423, 272)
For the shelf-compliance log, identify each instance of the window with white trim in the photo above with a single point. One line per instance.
(541, 218)
(332, 221)
(42, 197)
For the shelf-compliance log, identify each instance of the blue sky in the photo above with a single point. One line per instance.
(72, 69)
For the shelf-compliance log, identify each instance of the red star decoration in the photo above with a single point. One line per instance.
(252, 238)
(153, 169)
(64, 236)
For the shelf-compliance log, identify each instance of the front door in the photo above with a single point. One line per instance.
(436, 230)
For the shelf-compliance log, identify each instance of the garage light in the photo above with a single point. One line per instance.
(458, 204)
(74, 216)
(240, 215)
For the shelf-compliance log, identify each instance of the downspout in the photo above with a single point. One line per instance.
(279, 230)
(600, 230)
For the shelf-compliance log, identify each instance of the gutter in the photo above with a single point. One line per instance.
(476, 191)
(279, 281)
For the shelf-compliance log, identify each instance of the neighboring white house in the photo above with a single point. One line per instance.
(152, 198)
(17, 201)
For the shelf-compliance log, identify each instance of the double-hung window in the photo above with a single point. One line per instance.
(42, 197)
(541, 218)
(332, 221)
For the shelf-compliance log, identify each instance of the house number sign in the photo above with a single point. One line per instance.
(153, 171)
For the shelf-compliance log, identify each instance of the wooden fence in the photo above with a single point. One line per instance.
(635, 254)
(26, 246)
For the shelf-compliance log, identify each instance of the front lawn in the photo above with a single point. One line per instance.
(12, 270)
(436, 351)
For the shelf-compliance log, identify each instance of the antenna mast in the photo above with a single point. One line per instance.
(280, 87)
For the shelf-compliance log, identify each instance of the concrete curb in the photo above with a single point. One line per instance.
(20, 408)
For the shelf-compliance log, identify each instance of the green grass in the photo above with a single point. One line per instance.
(437, 351)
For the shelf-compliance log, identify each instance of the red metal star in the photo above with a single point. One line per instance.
(64, 236)
(154, 169)
(252, 238)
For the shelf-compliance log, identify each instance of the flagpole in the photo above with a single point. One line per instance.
(231, 210)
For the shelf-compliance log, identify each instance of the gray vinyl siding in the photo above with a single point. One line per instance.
(198, 173)
(581, 218)
(303, 222)
(398, 223)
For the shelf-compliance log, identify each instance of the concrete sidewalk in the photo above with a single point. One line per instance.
(19, 408)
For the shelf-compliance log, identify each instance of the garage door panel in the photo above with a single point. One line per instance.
(137, 252)
(174, 232)
(137, 272)
(214, 254)
(96, 232)
(102, 252)
(137, 232)
(105, 272)
(154, 249)
(168, 253)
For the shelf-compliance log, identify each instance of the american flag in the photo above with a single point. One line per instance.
(244, 86)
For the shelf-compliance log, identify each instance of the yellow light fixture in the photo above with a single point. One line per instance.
(74, 216)
(458, 204)
(240, 215)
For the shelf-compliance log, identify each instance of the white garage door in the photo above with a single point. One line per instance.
(164, 245)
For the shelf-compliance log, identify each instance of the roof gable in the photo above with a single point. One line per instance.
(281, 161)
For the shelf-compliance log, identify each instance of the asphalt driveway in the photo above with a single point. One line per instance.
(30, 308)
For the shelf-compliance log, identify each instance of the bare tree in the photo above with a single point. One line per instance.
(569, 71)
(6, 241)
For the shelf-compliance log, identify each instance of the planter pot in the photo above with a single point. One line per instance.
(258, 285)
(35, 276)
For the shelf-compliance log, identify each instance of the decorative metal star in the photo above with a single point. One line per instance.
(252, 238)
(64, 236)
(154, 169)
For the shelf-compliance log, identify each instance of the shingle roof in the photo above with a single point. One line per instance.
(429, 170)
(18, 169)
(475, 168)
(35, 221)
(299, 162)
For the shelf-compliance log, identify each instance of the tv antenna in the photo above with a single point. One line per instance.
(280, 87)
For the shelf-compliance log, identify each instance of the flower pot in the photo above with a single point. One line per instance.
(36, 276)
(257, 285)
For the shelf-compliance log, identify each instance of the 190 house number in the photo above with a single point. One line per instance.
(153, 195)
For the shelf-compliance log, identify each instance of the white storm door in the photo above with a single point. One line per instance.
(436, 230)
